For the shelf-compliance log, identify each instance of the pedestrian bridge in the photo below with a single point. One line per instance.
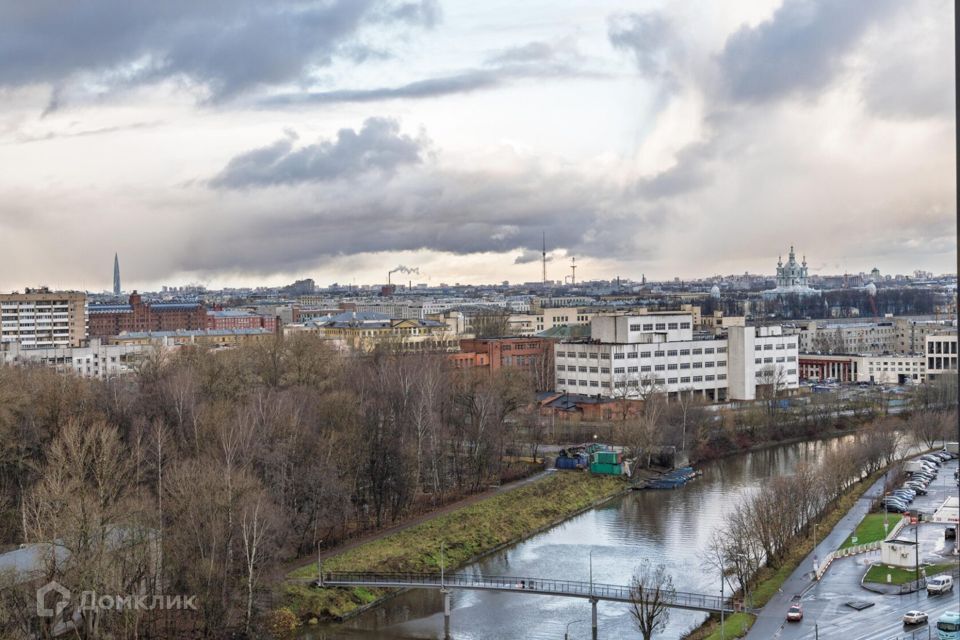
(537, 586)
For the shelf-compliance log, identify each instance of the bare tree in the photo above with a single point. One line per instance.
(651, 591)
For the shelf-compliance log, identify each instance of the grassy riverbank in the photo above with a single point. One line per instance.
(466, 534)
(768, 580)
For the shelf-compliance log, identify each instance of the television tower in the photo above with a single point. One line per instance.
(544, 258)
(116, 275)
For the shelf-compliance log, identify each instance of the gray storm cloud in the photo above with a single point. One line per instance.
(377, 146)
(228, 47)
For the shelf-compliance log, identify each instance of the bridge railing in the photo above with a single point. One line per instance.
(573, 588)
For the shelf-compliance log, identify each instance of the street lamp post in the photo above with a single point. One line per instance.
(816, 562)
(441, 564)
(566, 633)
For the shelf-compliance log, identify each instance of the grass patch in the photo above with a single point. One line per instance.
(466, 533)
(870, 529)
(736, 626)
(878, 573)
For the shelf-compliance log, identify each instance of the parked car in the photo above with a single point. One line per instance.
(939, 584)
(795, 612)
(921, 491)
(914, 617)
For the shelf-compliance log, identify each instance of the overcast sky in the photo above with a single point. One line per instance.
(241, 142)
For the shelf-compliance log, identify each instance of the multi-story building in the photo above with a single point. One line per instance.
(139, 316)
(40, 318)
(891, 369)
(631, 355)
(941, 354)
(833, 367)
(96, 360)
(240, 319)
(501, 353)
(364, 331)
(184, 337)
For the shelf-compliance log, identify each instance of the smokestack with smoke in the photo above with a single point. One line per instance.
(402, 269)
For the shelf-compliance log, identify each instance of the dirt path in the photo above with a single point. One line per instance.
(283, 571)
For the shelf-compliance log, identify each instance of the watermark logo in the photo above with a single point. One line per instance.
(91, 601)
(53, 586)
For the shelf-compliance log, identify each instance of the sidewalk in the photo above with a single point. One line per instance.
(773, 616)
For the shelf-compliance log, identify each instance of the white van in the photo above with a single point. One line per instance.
(939, 584)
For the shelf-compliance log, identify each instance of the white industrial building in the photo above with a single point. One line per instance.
(941, 350)
(631, 355)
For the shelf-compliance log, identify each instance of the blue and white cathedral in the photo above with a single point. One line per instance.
(791, 278)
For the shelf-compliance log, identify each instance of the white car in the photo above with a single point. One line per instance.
(914, 617)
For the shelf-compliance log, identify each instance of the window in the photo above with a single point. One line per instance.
(632, 355)
(635, 327)
(618, 370)
(781, 359)
(661, 326)
(659, 381)
(583, 369)
(758, 361)
(659, 367)
(697, 365)
(721, 349)
(604, 369)
(582, 354)
(684, 365)
(594, 370)
(684, 325)
(791, 372)
(671, 381)
(672, 325)
(594, 383)
(708, 365)
(685, 379)
(708, 378)
(697, 352)
(632, 369)
(767, 360)
(708, 350)
(561, 367)
(582, 383)
(791, 358)
(672, 367)
(722, 376)
(594, 355)
(561, 354)
(721, 363)
(684, 352)
(648, 327)
(561, 381)
(768, 347)
(618, 356)
(759, 347)
(644, 354)
(605, 385)
(658, 354)
(672, 352)
(780, 345)
(604, 356)
(645, 368)
(698, 378)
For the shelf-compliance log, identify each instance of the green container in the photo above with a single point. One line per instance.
(607, 469)
(607, 457)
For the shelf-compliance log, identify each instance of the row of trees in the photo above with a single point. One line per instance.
(206, 471)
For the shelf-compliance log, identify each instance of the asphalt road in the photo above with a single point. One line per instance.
(826, 614)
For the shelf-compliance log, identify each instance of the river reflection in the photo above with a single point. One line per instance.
(670, 527)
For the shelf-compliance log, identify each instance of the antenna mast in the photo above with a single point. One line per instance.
(544, 258)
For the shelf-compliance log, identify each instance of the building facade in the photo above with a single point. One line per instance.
(96, 360)
(631, 356)
(40, 318)
(365, 331)
(138, 316)
(941, 354)
(185, 337)
(240, 319)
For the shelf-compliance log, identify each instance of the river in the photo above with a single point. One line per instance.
(672, 527)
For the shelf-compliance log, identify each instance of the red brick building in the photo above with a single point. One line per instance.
(842, 368)
(493, 354)
(240, 319)
(113, 319)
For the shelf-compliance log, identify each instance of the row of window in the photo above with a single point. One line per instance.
(636, 383)
(643, 354)
(769, 360)
(659, 326)
(770, 346)
(790, 372)
(645, 368)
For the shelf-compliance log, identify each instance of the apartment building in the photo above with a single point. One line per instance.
(630, 355)
(40, 318)
(891, 369)
(137, 315)
(96, 360)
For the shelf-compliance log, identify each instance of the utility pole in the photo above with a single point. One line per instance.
(722, 634)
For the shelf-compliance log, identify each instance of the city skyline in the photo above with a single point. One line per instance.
(449, 137)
